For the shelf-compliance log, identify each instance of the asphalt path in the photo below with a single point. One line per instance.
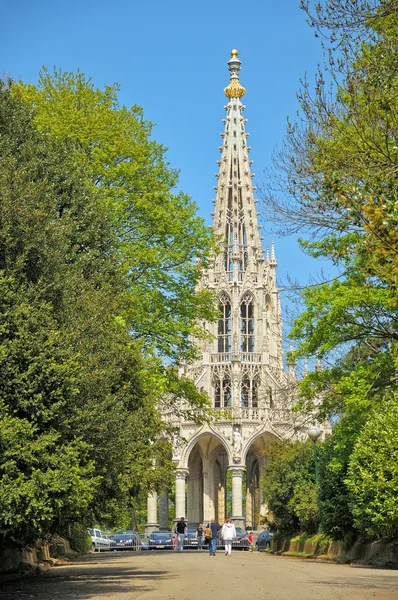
(194, 575)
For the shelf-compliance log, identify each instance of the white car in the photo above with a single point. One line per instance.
(99, 540)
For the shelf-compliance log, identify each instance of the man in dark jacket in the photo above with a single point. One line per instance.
(215, 528)
(180, 531)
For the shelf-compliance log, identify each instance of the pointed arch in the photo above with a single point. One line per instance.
(202, 433)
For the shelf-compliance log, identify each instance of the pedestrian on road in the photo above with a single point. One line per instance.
(199, 536)
(228, 534)
(180, 531)
(215, 528)
(250, 539)
(208, 536)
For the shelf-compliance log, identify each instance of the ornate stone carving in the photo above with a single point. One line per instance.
(236, 442)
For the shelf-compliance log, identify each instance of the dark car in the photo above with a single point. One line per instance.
(264, 540)
(241, 542)
(159, 540)
(126, 540)
(190, 540)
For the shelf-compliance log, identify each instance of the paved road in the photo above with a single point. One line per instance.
(196, 576)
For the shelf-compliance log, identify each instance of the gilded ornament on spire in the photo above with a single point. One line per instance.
(234, 89)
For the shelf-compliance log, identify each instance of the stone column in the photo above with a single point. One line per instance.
(195, 494)
(237, 504)
(164, 510)
(221, 503)
(249, 505)
(208, 491)
(263, 504)
(181, 475)
(152, 513)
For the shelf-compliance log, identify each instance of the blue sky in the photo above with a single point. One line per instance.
(171, 59)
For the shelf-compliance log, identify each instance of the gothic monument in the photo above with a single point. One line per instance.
(242, 368)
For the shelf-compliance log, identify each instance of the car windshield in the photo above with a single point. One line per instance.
(160, 535)
(239, 530)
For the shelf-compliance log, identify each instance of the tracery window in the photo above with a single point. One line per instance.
(247, 324)
(270, 398)
(245, 392)
(222, 393)
(249, 393)
(229, 241)
(224, 325)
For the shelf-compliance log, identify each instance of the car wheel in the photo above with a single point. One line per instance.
(93, 547)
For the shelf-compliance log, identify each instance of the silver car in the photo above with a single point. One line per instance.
(99, 539)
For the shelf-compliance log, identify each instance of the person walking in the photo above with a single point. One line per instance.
(215, 528)
(250, 539)
(180, 531)
(208, 536)
(228, 534)
(199, 536)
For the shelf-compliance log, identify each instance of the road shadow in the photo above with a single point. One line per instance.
(375, 582)
(85, 578)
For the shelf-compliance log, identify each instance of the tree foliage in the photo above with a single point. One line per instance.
(372, 476)
(335, 181)
(289, 487)
(80, 426)
(47, 477)
(163, 244)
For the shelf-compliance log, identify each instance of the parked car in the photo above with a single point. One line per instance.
(240, 533)
(126, 540)
(159, 540)
(190, 540)
(264, 540)
(99, 540)
(241, 542)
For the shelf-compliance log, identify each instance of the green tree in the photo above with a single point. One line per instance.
(337, 184)
(289, 486)
(372, 476)
(337, 181)
(163, 244)
(60, 250)
(46, 475)
(155, 249)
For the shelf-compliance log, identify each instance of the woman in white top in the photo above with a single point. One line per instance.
(228, 533)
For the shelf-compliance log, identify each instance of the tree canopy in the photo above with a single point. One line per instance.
(335, 181)
(162, 243)
(98, 273)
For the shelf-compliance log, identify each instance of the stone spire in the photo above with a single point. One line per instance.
(240, 365)
(235, 217)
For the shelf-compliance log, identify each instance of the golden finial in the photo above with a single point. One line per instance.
(234, 89)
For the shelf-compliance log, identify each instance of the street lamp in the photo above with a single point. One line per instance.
(314, 434)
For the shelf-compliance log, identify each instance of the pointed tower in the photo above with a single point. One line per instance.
(241, 368)
(251, 327)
